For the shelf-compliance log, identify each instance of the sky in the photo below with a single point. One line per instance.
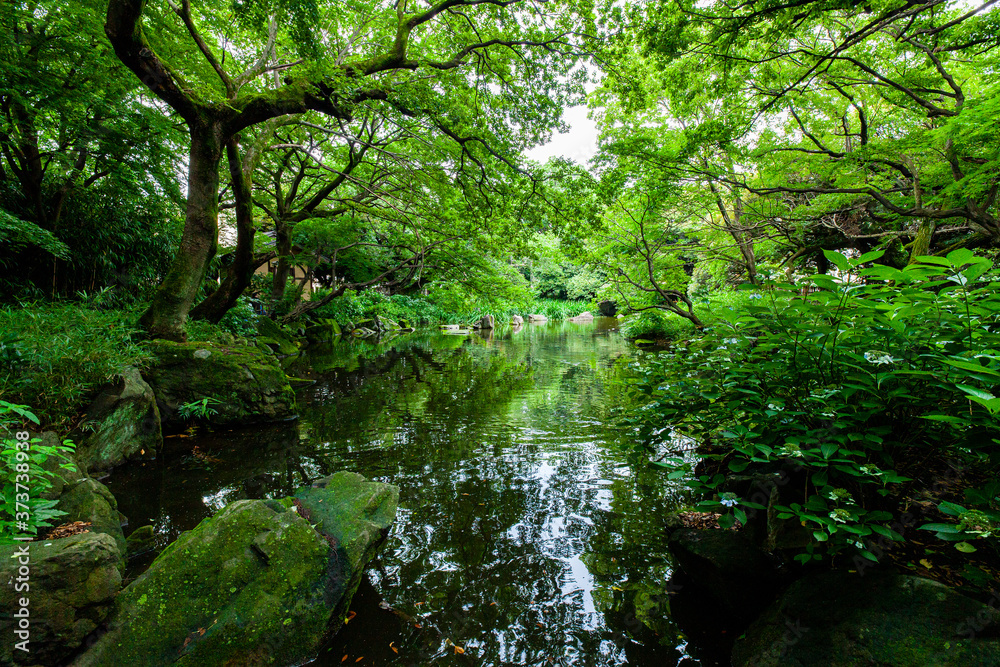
(579, 144)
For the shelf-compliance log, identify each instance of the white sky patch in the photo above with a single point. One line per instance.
(579, 144)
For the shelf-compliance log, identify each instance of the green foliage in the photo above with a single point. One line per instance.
(28, 475)
(66, 351)
(201, 409)
(656, 324)
(241, 319)
(844, 384)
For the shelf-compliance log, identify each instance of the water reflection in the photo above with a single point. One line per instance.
(523, 535)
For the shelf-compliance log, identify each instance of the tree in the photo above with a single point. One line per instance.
(409, 59)
(78, 149)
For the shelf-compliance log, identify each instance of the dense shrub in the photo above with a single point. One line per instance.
(58, 354)
(844, 383)
(656, 325)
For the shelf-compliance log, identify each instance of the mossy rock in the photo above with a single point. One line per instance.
(245, 587)
(248, 384)
(276, 337)
(73, 582)
(354, 514)
(128, 424)
(841, 619)
(83, 499)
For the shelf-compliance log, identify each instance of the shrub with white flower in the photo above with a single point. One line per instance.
(879, 358)
(729, 499)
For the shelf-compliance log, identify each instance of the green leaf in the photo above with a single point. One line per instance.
(965, 547)
(837, 259)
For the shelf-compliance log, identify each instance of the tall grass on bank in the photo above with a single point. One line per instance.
(54, 356)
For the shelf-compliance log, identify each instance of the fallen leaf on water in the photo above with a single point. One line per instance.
(201, 631)
(926, 563)
(615, 588)
(360, 659)
(350, 615)
(394, 649)
(417, 626)
(493, 604)
(459, 649)
(344, 659)
(540, 625)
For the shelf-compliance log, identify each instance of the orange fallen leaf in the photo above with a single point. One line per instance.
(344, 659)
(493, 604)
(350, 615)
(360, 659)
(459, 649)
(201, 631)
(394, 649)
(540, 625)
(417, 626)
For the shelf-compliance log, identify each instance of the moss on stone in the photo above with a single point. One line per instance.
(73, 582)
(222, 593)
(248, 383)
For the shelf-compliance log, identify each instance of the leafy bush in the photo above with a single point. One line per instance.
(656, 324)
(843, 383)
(241, 320)
(66, 351)
(28, 475)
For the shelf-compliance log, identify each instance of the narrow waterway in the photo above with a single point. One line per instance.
(524, 536)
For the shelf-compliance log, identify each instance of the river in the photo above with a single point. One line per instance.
(523, 537)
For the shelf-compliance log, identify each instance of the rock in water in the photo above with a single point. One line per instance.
(253, 585)
(487, 322)
(517, 320)
(537, 318)
(73, 581)
(129, 424)
(248, 384)
(839, 619)
(354, 516)
(607, 308)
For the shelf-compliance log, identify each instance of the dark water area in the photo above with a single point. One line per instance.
(524, 535)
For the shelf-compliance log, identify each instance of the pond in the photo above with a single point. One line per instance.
(523, 537)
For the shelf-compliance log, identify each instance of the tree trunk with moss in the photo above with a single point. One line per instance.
(168, 311)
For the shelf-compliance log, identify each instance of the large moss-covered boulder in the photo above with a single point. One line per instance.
(72, 583)
(354, 515)
(128, 424)
(840, 619)
(246, 384)
(254, 585)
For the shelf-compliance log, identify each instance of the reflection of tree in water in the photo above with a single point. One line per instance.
(517, 523)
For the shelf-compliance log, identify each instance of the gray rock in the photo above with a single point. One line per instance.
(129, 424)
(517, 320)
(487, 322)
(838, 619)
(73, 581)
(537, 318)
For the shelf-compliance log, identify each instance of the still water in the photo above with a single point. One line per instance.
(524, 535)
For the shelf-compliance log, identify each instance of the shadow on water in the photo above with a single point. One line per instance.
(523, 537)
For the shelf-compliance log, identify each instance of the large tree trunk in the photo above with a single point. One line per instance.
(168, 312)
(237, 279)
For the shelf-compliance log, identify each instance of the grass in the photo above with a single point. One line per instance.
(54, 356)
